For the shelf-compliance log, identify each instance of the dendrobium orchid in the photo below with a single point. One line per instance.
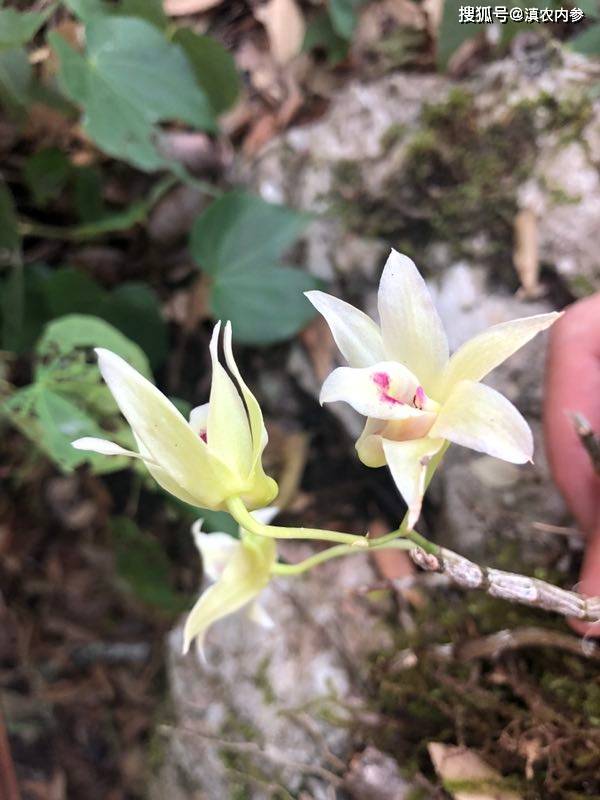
(415, 397)
(240, 569)
(206, 461)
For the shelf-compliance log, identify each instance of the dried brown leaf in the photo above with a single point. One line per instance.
(178, 8)
(285, 28)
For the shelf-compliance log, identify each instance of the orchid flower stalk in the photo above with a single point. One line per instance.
(417, 398)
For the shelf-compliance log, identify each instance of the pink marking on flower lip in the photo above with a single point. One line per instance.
(382, 380)
(204, 436)
(419, 399)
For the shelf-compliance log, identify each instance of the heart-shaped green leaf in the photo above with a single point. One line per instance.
(130, 78)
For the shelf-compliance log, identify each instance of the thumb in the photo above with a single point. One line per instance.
(589, 584)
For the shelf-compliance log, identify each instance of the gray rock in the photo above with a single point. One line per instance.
(260, 712)
(374, 775)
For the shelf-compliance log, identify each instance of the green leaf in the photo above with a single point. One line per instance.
(61, 421)
(23, 319)
(80, 331)
(265, 304)
(87, 194)
(18, 28)
(16, 78)
(143, 565)
(46, 174)
(213, 66)
(452, 33)
(9, 232)
(587, 42)
(134, 309)
(320, 34)
(150, 10)
(343, 15)
(241, 231)
(591, 8)
(130, 79)
(87, 10)
(12, 298)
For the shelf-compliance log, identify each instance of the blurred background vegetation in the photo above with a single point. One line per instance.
(123, 224)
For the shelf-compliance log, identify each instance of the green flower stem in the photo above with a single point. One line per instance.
(240, 513)
(333, 552)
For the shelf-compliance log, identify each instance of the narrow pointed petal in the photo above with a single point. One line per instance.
(228, 429)
(479, 417)
(215, 548)
(104, 447)
(412, 330)
(484, 352)
(384, 391)
(263, 489)
(243, 579)
(207, 491)
(257, 614)
(162, 434)
(358, 338)
(408, 464)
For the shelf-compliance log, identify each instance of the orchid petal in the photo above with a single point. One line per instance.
(358, 338)
(162, 434)
(479, 417)
(484, 352)
(207, 492)
(228, 429)
(215, 548)
(199, 420)
(257, 614)
(244, 577)
(408, 462)
(384, 391)
(369, 444)
(264, 489)
(104, 447)
(412, 330)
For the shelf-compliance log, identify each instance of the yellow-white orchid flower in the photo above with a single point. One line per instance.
(240, 569)
(213, 457)
(414, 396)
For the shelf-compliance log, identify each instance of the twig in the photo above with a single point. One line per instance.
(508, 585)
(496, 643)
(588, 438)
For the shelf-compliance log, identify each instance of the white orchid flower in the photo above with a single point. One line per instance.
(240, 569)
(213, 457)
(415, 397)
